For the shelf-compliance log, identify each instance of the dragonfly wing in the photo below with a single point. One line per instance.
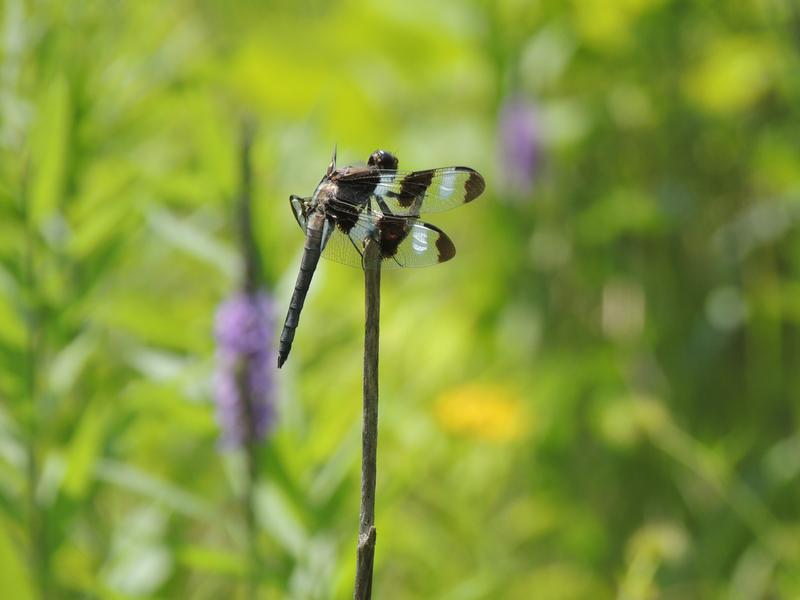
(411, 193)
(404, 241)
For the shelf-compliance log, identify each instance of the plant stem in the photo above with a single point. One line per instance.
(251, 483)
(252, 281)
(253, 271)
(369, 436)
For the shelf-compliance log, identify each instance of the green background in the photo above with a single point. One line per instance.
(596, 398)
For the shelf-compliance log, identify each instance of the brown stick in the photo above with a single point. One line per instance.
(369, 437)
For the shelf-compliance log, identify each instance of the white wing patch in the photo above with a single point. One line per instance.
(384, 184)
(419, 241)
(447, 185)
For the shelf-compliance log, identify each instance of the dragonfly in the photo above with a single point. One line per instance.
(355, 204)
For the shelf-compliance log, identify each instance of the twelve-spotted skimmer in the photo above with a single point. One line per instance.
(378, 202)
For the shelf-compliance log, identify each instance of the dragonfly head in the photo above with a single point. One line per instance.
(383, 160)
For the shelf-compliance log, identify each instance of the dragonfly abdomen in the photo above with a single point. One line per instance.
(311, 253)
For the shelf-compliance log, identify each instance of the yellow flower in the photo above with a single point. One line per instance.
(484, 411)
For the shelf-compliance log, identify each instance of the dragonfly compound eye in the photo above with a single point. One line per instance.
(383, 160)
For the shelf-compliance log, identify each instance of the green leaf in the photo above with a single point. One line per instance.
(278, 517)
(70, 362)
(50, 141)
(183, 234)
(136, 480)
(15, 578)
(85, 448)
(212, 560)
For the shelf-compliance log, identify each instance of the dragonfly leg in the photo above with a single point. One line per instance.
(298, 205)
(297, 200)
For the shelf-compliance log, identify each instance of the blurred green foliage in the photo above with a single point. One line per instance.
(597, 398)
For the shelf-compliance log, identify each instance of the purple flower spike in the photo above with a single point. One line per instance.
(243, 382)
(519, 144)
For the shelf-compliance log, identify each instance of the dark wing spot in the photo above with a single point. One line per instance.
(392, 231)
(445, 247)
(413, 186)
(350, 196)
(345, 220)
(473, 187)
(361, 180)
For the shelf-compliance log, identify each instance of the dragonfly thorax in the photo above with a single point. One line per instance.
(327, 190)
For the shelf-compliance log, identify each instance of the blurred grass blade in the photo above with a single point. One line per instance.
(212, 560)
(50, 141)
(15, 580)
(138, 481)
(85, 448)
(278, 518)
(70, 361)
(182, 234)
